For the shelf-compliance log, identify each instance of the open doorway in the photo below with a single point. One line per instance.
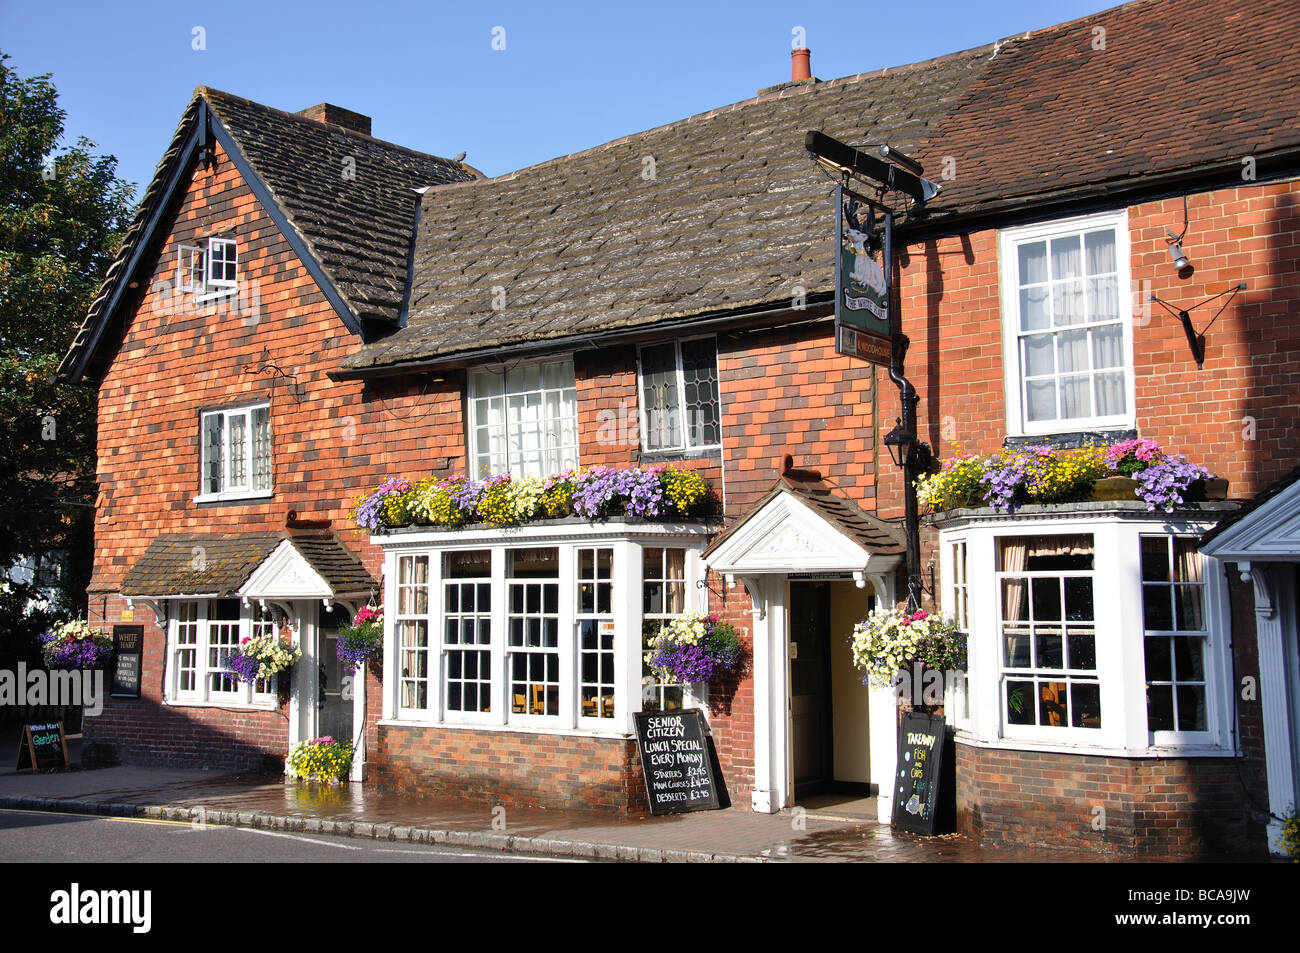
(829, 726)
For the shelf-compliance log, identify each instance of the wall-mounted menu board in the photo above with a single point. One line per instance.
(42, 747)
(676, 761)
(920, 764)
(128, 649)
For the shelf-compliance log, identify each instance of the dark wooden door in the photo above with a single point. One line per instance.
(810, 687)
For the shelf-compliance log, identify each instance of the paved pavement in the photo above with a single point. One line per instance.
(272, 803)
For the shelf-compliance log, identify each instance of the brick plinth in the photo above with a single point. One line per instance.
(511, 768)
(1138, 807)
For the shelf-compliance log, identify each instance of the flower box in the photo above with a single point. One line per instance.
(1115, 488)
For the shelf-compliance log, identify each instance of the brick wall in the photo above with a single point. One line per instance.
(511, 767)
(1178, 807)
(1239, 416)
(785, 391)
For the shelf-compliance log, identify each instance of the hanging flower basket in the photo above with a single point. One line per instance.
(694, 648)
(75, 645)
(889, 641)
(362, 641)
(321, 759)
(261, 657)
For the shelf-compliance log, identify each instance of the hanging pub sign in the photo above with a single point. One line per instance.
(128, 646)
(863, 266)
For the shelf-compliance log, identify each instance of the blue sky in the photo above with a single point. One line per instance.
(571, 75)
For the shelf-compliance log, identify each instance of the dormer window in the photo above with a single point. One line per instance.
(208, 270)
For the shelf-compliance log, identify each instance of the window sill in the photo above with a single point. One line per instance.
(210, 296)
(233, 497)
(511, 728)
(1190, 750)
(269, 706)
(690, 453)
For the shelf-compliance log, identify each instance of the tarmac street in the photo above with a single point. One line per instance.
(828, 831)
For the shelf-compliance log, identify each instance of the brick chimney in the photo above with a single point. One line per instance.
(337, 116)
(800, 72)
(800, 67)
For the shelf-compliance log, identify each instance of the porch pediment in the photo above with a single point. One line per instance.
(800, 527)
(1268, 529)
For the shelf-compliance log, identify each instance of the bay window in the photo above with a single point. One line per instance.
(523, 419)
(236, 453)
(200, 634)
(542, 628)
(1091, 628)
(1067, 335)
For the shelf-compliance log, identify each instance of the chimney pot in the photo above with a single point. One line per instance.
(800, 67)
(337, 116)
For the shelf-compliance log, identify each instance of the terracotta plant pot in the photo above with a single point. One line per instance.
(1115, 488)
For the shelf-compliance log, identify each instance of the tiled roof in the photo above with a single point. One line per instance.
(359, 229)
(219, 564)
(718, 212)
(724, 212)
(1178, 85)
(878, 537)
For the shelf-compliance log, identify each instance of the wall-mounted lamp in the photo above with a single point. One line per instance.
(860, 579)
(1176, 254)
(899, 442)
(731, 580)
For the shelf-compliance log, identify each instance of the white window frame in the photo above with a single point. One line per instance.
(247, 694)
(191, 268)
(1037, 674)
(221, 253)
(626, 543)
(1204, 636)
(1009, 241)
(1120, 636)
(686, 445)
(570, 455)
(247, 490)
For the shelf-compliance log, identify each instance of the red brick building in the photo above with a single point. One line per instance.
(290, 324)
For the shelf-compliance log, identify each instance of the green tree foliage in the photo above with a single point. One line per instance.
(62, 215)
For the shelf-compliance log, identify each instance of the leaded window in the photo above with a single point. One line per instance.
(680, 407)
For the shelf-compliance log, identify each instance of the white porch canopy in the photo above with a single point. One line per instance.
(800, 529)
(1264, 541)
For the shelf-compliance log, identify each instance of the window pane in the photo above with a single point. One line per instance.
(261, 448)
(662, 409)
(1033, 262)
(700, 385)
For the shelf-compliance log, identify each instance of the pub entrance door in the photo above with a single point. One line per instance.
(811, 719)
(334, 698)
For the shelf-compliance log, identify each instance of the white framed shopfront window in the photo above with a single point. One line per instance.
(1093, 628)
(199, 634)
(1067, 328)
(537, 628)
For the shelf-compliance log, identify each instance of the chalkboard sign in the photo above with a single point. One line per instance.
(42, 747)
(676, 761)
(128, 647)
(920, 763)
